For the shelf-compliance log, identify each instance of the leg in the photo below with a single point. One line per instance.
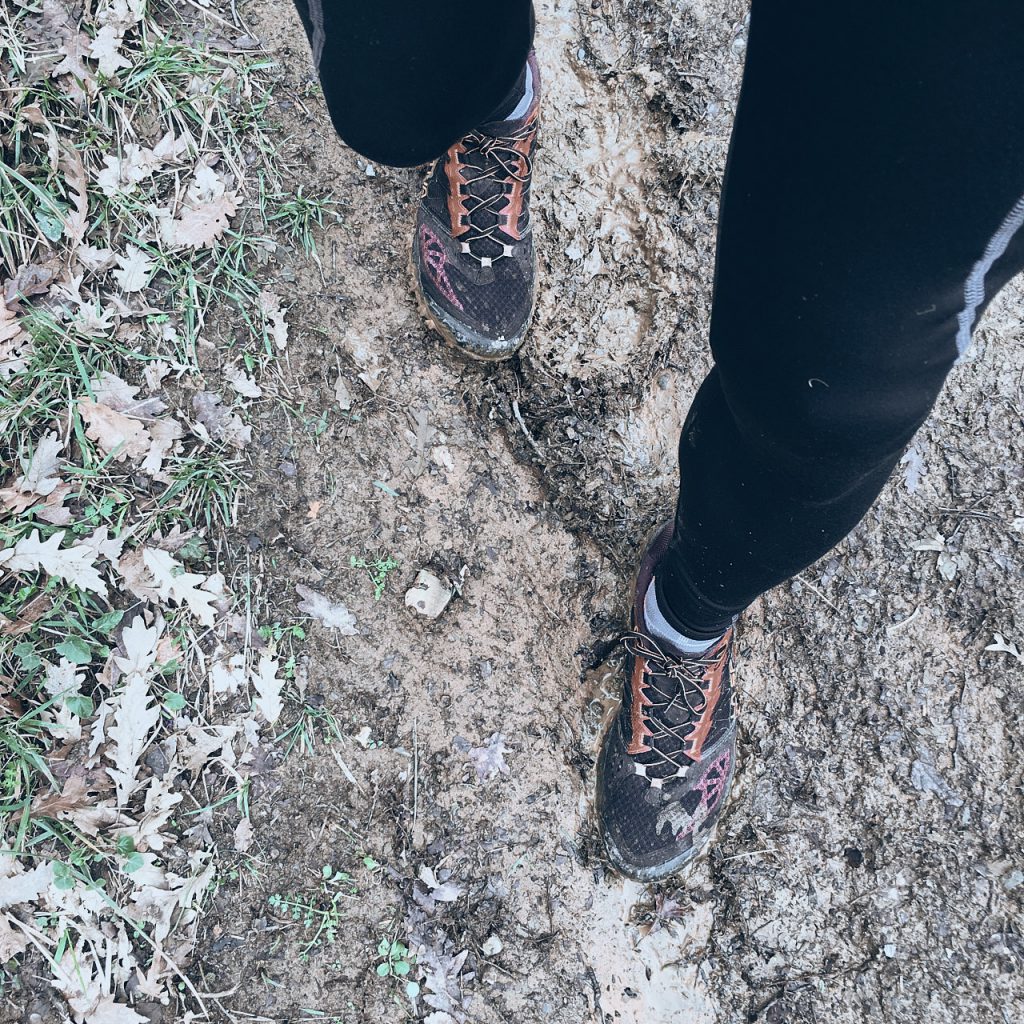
(404, 80)
(409, 82)
(872, 205)
(870, 211)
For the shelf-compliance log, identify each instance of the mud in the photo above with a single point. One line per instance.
(870, 868)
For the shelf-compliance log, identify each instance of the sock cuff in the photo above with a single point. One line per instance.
(701, 620)
(520, 97)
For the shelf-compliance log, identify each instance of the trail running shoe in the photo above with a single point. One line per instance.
(667, 761)
(474, 264)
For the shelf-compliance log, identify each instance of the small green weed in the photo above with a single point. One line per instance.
(397, 962)
(321, 912)
(378, 568)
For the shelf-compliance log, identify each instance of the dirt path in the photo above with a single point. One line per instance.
(871, 865)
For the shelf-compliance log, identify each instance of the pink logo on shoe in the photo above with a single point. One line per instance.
(711, 787)
(435, 258)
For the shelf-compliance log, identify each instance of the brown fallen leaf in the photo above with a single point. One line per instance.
(106, 50)
(31, 279)
(76, 223)
(220, 422)
(28, 615)
(10, 329)
(115, 433)
(74, 563)
(198, 227)
(243, 835)
(78, 803)
(277, 327)
(11, 942)
(41, 476)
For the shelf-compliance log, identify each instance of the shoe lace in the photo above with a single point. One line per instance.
(490, 168)
(674, 697)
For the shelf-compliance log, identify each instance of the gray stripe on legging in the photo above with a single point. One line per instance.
(316, 18)
(974, 289)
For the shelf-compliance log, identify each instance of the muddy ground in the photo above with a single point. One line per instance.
(871, 866)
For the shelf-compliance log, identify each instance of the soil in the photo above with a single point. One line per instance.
(870, 867)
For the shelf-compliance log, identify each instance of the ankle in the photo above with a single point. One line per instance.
(694, 621)
(519, 99)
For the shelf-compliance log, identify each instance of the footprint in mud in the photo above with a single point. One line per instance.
(645, 978)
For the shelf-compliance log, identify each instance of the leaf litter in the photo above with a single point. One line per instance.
(116, 253)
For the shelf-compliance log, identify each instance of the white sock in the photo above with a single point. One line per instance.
(524, 104)
(658, 626)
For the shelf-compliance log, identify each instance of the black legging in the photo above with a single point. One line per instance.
(872, 207)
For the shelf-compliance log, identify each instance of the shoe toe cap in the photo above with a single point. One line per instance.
(488, 346)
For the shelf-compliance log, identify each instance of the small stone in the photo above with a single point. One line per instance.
(371, 171)
(492, 947)
(156, 761)
(428, 595)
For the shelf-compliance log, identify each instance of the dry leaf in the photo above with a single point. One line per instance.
(165, 433)
(19, 886)
(270, 307)
(220, 423)
(442, 892)
(11, 942)
(106, 50)
(228, 677)
(122, 174)
(331, 613)
(97, 260)
(198, 745)
(117, 434)
(31, 279)
(489, 760)
(243, 383)
(41, 475)
(15, 344)
(174, 584)
(1001, 646)
(268, 686)
(136, 269)
(76, 223)
(109, 1012)
(73, 564)
(134, 718)
(199, 226)
(77, 803)
(342, 394)
(109, 389)
(243, 835)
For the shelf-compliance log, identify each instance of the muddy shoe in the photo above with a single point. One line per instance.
(474, 264)
(667, 760)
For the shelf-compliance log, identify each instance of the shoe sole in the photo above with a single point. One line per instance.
(436, 324)
(686, 860)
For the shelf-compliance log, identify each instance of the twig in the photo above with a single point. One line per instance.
(519, 419)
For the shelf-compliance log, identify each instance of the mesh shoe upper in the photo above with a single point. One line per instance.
(473, 251)
(668, 759)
